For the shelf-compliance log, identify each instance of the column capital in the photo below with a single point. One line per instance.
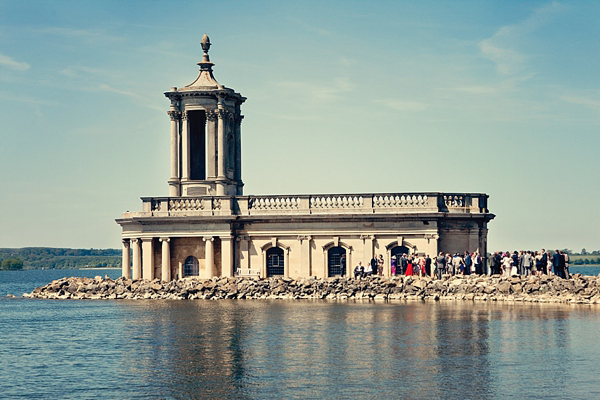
(304, 237)
(208, 238)
(184, 115)
(125, 241)
(174, 115)
(135, 240)
(221, 113)
(211, 115)
(165, 239)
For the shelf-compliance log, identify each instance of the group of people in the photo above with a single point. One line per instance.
(467, 263)
(374, 267)
(459, 264)
(530, 263)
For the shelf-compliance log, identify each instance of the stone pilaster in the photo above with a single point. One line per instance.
(305, 259)
(211, 144)
(126, 261)
(166, 259)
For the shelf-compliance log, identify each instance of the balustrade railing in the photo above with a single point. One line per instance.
(319, 204)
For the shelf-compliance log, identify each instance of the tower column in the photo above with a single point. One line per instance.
(126, 260)
(166, 259)
(185, 147)
(221, 113)
(174, 179)
(137, 259)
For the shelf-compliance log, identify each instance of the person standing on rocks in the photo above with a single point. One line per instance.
(566, 257)
(373, 265)
(403, 264)
(544, 262)
(343, 265)
(478, 263)
(428, 265)
(468, 263)
(380, 265)
(440, 265)
(527, 263)
(557, 263)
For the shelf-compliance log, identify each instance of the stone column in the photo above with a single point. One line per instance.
(185, 147)
(147, 259)
(209, 257)
(166, 259)
(137, 259)
(174, 179)
(221, 152)
(226, 256)
(126, 261)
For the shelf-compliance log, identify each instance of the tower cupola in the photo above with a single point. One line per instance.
(205, 135)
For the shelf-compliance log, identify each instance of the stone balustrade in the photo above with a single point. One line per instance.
(377, 203)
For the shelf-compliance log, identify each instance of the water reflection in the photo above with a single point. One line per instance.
(314, 349)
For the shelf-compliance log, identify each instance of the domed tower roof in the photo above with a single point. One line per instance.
(205, 79)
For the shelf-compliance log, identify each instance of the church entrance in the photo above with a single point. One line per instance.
(275, 262)
(190, 267)
(335, 264)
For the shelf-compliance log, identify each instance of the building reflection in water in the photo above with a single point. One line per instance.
(257, 349)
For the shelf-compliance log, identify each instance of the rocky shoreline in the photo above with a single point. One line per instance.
(578, 289)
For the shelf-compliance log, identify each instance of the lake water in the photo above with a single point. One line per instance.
(291, 349)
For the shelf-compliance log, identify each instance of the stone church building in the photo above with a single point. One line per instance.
(207, 227)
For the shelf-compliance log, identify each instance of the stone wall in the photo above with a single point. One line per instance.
(545, 289)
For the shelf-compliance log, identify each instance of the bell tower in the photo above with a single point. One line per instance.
(206, 154)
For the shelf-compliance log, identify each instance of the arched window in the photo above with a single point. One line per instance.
(190, 267)
(275, 262)
(336, 261)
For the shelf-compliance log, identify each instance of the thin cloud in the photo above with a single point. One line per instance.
(11, 63)
(401, 105)
(584, 101)
(319, 93)
(500, 48)
(138, 97)
(74, 71)
(89, 35)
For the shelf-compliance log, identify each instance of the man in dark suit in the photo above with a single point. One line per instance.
(558, 264)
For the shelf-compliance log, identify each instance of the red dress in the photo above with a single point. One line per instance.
(409, 270)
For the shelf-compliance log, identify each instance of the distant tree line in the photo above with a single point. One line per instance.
(58, 258)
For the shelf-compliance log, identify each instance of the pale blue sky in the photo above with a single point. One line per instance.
(343, 96)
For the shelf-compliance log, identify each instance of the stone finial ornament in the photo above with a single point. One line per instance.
(205, 43)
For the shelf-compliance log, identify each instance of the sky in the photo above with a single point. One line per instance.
(500, 97)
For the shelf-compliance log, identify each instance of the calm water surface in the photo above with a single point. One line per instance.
(291, 349)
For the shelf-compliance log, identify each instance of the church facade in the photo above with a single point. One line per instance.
(207, 227)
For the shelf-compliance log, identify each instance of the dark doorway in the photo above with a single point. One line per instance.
(197, 127)
(275, 262)
(190, 267)
(334, 261)
(397, 252)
